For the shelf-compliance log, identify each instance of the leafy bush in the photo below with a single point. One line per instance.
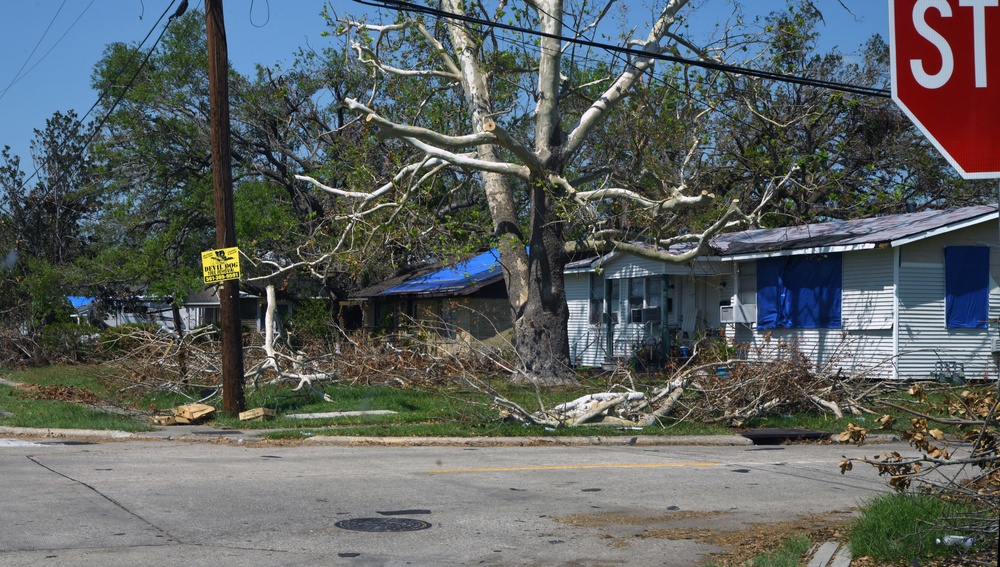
(68, 342)
(312, 321)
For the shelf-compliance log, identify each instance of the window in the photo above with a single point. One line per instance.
(966, 284)
(449, 321)
(596, 299)
(643, 298)
(799, 292)
(614, 300)
(636, 298)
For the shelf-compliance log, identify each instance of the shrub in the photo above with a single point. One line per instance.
(68, 342)
(312, 321)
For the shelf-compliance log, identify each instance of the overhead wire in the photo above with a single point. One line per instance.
(114, 82)
(722, 67)
(17, 75)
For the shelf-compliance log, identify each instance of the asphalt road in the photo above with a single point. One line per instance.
(128, 503)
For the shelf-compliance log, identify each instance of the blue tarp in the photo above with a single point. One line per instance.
(966, 284)
(78, 302)
(475, 271)
(799, 292)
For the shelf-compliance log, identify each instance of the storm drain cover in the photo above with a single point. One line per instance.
(779, 436)
(384, 524)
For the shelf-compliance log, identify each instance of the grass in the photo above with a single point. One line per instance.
(443, 412)
(789, 554)
(902, 527)
(33, 408)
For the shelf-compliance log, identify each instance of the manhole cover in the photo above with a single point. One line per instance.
(383, 524)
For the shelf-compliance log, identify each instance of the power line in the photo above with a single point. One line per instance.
(17, 75)
(114, 81)
(721, 67)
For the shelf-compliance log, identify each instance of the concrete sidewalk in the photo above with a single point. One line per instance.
(831, 554)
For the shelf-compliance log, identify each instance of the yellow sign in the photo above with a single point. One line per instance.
(221, 265)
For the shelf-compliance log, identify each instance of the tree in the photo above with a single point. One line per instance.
(854, 156)
(46, 221)
(527, 147)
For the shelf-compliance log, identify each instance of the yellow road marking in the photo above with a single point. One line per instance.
(591, 466)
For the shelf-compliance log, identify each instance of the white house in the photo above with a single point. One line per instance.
(620, 303)
(898, 297)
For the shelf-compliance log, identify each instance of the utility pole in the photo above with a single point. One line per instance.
(233, 401)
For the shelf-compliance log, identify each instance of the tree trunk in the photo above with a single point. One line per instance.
(175, 311)
(541, 316)
(533, 274)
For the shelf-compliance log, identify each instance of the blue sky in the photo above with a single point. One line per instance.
(50, 47)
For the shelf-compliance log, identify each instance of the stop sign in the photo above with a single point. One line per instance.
(946, 77)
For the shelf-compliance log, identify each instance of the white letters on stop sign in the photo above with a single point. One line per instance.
(937, 80)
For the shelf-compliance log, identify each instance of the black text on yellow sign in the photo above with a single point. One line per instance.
(221, 265)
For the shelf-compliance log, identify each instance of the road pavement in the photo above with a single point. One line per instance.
(225, 498)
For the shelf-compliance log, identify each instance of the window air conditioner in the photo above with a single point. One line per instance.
(738, 313)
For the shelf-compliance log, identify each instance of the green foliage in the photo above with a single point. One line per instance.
(312, 320)
(68, 341)
(263, 218)
(46, 293)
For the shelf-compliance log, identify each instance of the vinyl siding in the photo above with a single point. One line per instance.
(924, 340)
(862, 347)
(586, 342)
(868, 307)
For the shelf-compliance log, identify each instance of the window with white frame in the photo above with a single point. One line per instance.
(642, 299)
(596, 299)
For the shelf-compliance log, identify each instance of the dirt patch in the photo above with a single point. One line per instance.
(742, 545)
(68, 394)
(738, 546)
(617, 519)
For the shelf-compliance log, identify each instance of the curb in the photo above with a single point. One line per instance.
(203, 432)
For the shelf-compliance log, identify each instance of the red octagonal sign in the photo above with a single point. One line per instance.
(946, 77)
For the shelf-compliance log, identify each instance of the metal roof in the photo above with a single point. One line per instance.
(461, 277)
(840, 236)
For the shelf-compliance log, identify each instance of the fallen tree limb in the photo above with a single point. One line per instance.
(665, 407)
(599, 409)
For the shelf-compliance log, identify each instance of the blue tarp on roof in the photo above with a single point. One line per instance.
(480, 270)
(78, 302)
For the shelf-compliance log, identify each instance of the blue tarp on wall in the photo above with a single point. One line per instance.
(799, 292)
(966, 284)
(462, 275)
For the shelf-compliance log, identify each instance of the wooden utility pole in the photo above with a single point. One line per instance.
(233, 401)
